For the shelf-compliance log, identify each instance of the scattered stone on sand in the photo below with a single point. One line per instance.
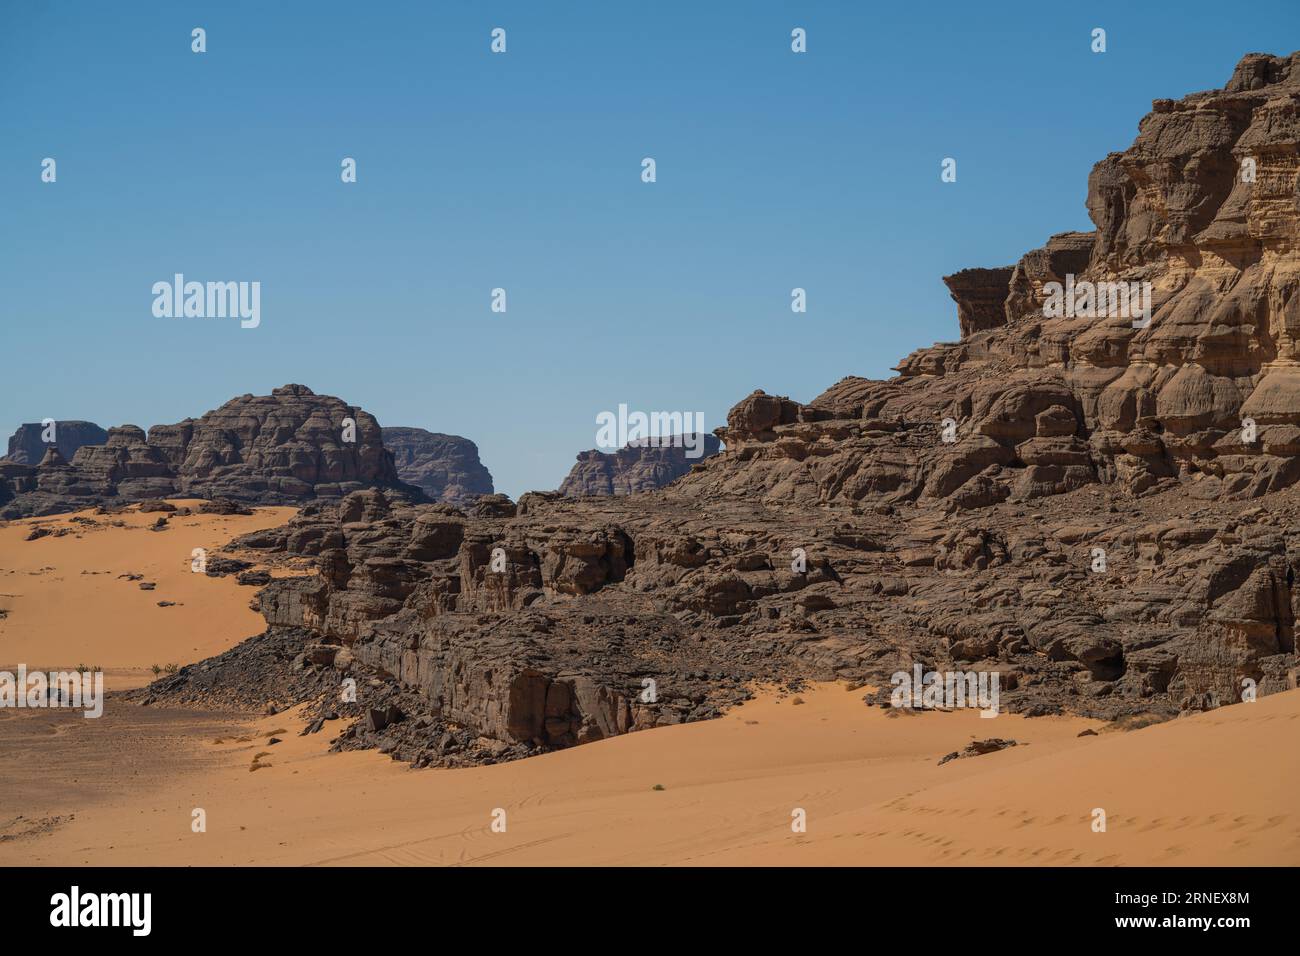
(977, 748)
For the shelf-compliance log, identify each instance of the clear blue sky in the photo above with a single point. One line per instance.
(522, 171)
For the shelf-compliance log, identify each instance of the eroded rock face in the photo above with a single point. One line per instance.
(1065, 254)
(544, 628)
(445, 467)
(284, 447)
(281, 448)
(27, 448)
(638, 466)
(1203, 207)
(491, 622)
(981, 296)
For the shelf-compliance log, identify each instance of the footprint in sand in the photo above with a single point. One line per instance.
(1270, 823)
(20, 827)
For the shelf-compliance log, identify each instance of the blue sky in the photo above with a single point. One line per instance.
(522, 171)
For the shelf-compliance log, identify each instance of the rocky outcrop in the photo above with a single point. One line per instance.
(571, 620)
(290, 445)
(981, 296)
(445, 467)
(475, 622)
(1100, 509)
(1201, 390)
(26, 447)
(282, 448)
(1065, 254)
(638, 466)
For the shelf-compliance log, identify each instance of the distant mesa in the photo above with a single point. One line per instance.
(281, 448)
(445, 467)
(643, 465)
(27, 448)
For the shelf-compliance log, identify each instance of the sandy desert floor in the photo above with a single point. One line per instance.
(1212, 789)
(66, 600)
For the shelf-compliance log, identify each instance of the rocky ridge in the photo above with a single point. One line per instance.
(281, 448)
(1074, 504)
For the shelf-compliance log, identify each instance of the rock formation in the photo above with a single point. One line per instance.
(282, 448)
(1206, 394)
(1073, 503)
(445, 467)
(638, 466)
(27, 448)
(981, 296)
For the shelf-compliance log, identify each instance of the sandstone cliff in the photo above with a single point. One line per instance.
(446, 467)
(1042, 405)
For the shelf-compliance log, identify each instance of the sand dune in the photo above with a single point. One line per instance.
(1212, 789)
(67, 603)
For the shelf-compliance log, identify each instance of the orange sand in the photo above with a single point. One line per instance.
(1215, 789)
(60, 617)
